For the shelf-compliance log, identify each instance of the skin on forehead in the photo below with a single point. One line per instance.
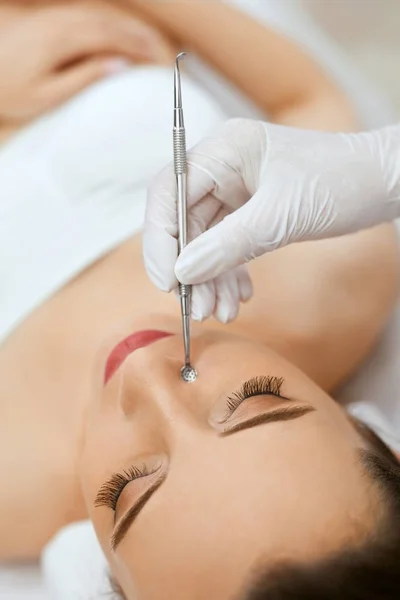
(286, 489)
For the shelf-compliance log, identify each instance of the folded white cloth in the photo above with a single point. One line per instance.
(74, 566)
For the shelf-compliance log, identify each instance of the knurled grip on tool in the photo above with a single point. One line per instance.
(180, 151)
(185, 293)
(185, 290)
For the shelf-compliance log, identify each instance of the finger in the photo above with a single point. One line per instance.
(203, 300)
(218, 250)
(227, 297)
(71, 81)
(160, 233)
(159, 254)
(206, 176)
(245, 284)
(210, 171)
(221, 297)
(160, 248)
(204, 215)
(258, 227)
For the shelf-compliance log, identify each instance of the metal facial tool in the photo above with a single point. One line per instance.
(188, 373)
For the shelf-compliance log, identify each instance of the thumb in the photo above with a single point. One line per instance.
(216, 251)
(75, 79)
(225, 246)
(256, 228)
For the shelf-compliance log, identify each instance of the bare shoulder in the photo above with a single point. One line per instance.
(39, 492)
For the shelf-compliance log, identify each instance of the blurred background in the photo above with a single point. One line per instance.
(368, 30)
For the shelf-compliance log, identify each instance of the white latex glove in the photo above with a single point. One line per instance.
(257, 187)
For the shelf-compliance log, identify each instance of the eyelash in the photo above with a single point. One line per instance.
(111, 490)
(258, 386)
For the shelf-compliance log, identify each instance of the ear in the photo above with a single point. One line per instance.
(398, 455)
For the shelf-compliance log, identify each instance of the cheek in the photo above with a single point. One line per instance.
(282, 489)
(97, 462)
(112, 443)
(99, 455)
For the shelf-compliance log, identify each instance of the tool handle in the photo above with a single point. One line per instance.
(180, 164)
(185, 290)
(185, 293)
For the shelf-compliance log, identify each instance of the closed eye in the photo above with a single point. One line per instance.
(261, 385)
(256, 386)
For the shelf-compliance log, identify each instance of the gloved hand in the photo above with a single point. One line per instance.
(257, 187)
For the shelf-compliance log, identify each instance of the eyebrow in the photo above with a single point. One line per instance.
(280, 414)
(123, 526)
(286, 413)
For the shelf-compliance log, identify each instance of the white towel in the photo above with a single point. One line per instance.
(74, 566)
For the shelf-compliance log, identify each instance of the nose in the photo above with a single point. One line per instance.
(151, 377)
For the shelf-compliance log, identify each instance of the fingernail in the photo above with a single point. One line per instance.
(223, 314)
(246, 290)
(196, 316)
(164, 284)
(197, 312)
(117, 65)
(221, 317)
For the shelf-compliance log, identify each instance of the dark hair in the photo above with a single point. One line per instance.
(370, 571)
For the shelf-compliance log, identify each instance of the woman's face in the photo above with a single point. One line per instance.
(190, 486)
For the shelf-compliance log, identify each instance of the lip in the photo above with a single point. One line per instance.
(133, 342)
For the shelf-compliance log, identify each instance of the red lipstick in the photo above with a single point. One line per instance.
(137, 340)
